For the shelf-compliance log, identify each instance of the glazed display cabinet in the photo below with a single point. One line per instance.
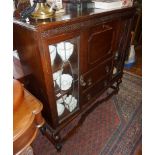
(72, 60)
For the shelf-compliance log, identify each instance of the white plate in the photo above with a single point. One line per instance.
(65, 50)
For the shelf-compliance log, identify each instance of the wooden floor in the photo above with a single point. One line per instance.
(137, 67)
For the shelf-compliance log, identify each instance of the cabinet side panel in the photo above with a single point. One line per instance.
(26, 43)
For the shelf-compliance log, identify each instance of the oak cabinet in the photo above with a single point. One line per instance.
(72, 61)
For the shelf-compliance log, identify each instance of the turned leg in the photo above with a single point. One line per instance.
(58, 144)
(52, 136)
(118, 83)
(43, 129)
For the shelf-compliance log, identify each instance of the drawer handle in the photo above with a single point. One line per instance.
(106, 27)
(82, 82)
(105, 83)
(107, 69)
(89, 81)
(88, 97)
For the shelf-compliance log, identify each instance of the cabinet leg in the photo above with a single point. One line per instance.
(55, 138)
(58, 144)
(118, 83)
(43, 129)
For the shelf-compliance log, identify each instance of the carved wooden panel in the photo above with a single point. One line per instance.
(99, 43)
(98, 73)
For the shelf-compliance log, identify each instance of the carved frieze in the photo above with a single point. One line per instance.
(83, 24)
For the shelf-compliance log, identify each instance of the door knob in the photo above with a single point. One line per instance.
(107, 69)
(82, 82)
(88, 97)
(89, 81)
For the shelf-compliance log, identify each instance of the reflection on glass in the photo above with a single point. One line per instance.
(52, 50)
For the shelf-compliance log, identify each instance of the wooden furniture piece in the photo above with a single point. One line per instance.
(86, 47)
(18, 73)
(26, 119)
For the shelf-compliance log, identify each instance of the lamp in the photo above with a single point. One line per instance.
(39, 10)
(42, 10)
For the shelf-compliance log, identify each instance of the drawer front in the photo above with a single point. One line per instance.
(94, 91)
(96, 74)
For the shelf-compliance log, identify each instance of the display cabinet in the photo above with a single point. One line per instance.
(72, 59)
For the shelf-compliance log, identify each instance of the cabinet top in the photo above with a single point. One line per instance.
(71, 17)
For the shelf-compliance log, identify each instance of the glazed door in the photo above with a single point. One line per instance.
(122, 46)
(64, 60)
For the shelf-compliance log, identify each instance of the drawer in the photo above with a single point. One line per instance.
(91, 93)
(96, 74)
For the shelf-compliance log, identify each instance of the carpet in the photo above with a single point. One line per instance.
(113, 128)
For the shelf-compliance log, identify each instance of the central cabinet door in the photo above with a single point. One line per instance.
(98, 44)
(96, 59)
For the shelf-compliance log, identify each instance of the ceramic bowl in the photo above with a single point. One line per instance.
(57, 74)
(70, 103)
(65, 50)
(64, 81)
(52, 50)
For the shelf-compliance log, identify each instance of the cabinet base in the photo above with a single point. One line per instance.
(54, 136)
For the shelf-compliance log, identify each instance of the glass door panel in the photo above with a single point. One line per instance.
(65, 66)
